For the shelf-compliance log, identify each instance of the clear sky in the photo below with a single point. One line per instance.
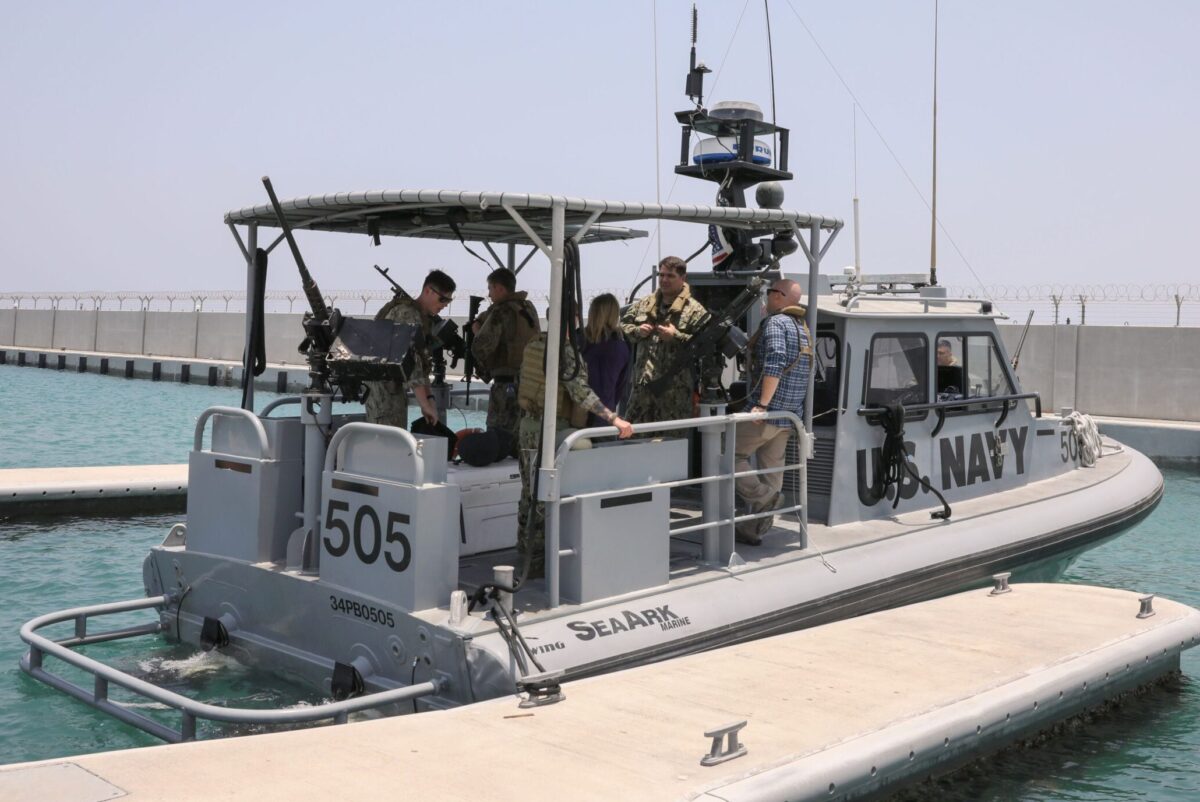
(1068, 130)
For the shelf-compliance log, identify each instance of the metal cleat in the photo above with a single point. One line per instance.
(1001, 585)
(732, 747)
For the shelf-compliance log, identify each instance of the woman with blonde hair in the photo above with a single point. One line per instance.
(606, 353)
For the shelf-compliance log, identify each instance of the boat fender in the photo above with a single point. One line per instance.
(213, 635)
(346, 682)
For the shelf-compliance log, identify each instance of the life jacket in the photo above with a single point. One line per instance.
(531, 386)
(509, 355)
(798, 315)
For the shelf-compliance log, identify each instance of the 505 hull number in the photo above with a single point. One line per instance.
(369, 538)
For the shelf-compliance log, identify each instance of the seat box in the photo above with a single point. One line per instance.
(490, 495)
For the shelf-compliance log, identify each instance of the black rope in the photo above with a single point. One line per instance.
(255, 357)
(894, 458)
(506, 624)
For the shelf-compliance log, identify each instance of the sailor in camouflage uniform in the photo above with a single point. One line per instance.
(501, 334)
(387, 401)
(659, 325)
(575, 400)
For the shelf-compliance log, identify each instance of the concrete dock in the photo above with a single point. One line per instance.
(113, 489)
(859, 706)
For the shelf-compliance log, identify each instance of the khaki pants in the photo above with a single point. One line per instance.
(768, 445)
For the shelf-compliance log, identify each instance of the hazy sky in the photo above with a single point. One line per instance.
(1068, 131)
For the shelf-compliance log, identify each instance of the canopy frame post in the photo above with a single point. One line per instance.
(248, 358)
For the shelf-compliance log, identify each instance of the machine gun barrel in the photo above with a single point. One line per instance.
(311, 291)
(1016, 358)
(711, 334)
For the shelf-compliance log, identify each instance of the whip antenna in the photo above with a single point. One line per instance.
(933, 210)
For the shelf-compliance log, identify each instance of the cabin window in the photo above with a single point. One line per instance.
(827, 379)
(899, 370)
(970, 366)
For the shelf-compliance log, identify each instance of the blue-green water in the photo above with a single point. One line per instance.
(1148, 749)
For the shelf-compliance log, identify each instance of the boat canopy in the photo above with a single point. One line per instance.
(486, 216)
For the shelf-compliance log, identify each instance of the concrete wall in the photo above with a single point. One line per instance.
(34, 327)
(283, 333)
(1123, 371)
(171, 334)
(203, 335)
(75, 330)
(120, 332)
(1119, 371)
(221, 335)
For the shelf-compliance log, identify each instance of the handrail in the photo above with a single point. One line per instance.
(656, 426)
(264, 444)
(377, 430)
(925, 301)
(191, 709)
(279, 402)
(958, 402)
(726, 423)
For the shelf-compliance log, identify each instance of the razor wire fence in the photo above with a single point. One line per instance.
(351, 302)
(1093, 304)
(1062, 304)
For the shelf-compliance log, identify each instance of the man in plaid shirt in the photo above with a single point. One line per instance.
(781, 358)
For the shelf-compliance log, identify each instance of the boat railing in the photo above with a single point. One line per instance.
(982, 403)
(33, 663)
(256, 425)
(717, 481)
(929, 304)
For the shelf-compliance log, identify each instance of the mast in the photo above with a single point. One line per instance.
(933, 221)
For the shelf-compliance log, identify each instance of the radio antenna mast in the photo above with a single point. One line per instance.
(934, 221)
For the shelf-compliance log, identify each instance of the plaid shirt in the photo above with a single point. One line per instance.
(779, 342)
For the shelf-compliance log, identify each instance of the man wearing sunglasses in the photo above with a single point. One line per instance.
(387, 401)
(658, 326)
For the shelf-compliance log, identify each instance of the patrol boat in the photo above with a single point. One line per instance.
(397, 591)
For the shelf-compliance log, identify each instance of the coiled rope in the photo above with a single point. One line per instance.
(1084, 430)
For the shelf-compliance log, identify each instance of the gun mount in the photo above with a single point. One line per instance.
(718, 338)
(345, 351)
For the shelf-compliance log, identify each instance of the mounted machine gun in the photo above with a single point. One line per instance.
(343, 351)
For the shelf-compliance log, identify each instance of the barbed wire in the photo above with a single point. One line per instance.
(354, 302)
(1096, 304)
(1089, 292)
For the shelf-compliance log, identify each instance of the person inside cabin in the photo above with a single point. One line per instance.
(501, 334)
(780, 361)
(387, 401)
(574, 402)
(606, 353)
(949, 373)
(659, 325)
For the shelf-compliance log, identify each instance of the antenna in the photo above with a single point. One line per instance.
(695, 78)
(771, 62)
(934, 221)
(857, 262)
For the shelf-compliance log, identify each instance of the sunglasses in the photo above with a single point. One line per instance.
(774, 290)
(446, 299)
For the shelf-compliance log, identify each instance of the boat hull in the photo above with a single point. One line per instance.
(302, 626)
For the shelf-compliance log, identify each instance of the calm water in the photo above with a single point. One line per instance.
(1148, 750)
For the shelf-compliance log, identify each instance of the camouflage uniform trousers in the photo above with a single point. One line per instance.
(503, 411)
(673, 403)
(531, 535)
(387, 403)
